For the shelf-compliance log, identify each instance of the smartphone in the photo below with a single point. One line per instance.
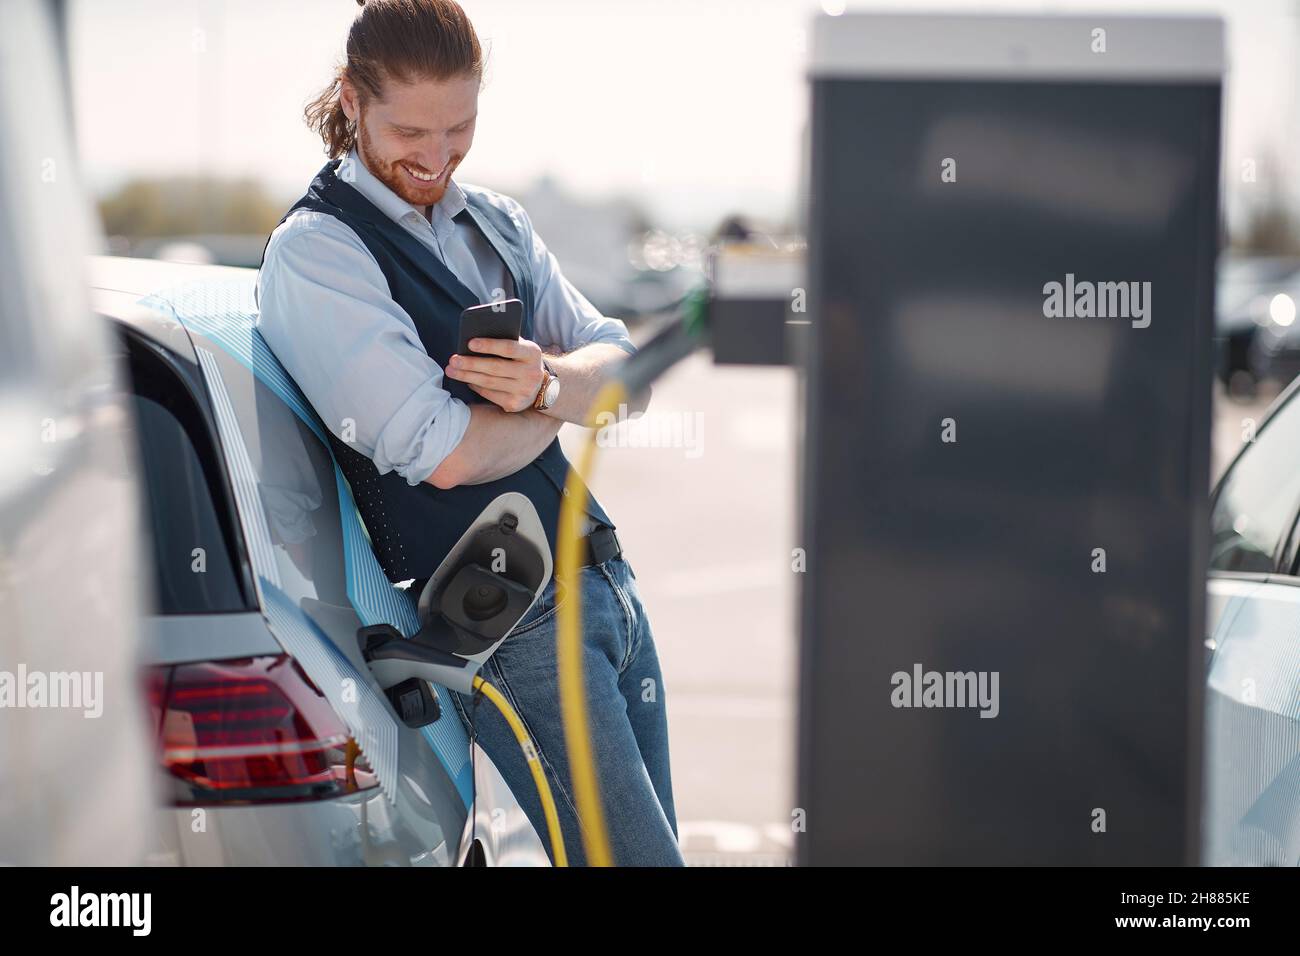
(502, 319)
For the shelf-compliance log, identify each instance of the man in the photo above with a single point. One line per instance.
(360, 292)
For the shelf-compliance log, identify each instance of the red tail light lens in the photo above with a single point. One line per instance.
(253, 730)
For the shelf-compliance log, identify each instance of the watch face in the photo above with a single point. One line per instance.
(552, 392)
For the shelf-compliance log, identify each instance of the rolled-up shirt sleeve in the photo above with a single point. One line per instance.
(563, 318)
(326, 312)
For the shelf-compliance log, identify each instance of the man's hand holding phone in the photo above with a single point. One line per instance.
(493, 359)
(509, 372)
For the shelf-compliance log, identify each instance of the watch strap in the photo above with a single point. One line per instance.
(540, 397)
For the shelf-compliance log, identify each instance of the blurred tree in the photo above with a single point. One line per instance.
(1270, 230)
(1270, 226)
(182, 206)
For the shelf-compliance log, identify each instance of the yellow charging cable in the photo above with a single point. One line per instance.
(568, 651)
(534, 764)
(673, 342)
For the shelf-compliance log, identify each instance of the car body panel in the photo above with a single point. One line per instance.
(1225, 595)
(161, 330)
(180, 638)
(361, 829)
(1252, 727)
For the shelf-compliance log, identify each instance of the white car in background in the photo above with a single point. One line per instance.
(1252, 700)
(75, 779)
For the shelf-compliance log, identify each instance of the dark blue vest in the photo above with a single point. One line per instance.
(412, 528)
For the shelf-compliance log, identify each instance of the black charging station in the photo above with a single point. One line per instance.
(1011, 245)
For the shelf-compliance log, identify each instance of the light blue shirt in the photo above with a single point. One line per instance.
(327, 313)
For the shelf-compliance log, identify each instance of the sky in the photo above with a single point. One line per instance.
(696, 108)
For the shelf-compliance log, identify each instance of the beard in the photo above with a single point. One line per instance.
(391, 174)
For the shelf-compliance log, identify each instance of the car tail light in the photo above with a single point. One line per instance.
(253, 730)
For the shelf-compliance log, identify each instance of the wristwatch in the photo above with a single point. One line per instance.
(550, 390)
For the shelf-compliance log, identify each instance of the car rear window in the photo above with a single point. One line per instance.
(184, 506)
(1259, 499)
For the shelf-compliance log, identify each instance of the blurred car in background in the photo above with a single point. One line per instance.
(1245, 300)
(276, 745)
(1252, 700)
(1275, 351)
(75, 780)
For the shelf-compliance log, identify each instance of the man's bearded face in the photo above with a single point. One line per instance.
(414, 138)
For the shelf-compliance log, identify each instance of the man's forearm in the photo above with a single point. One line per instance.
(582, 374)
(495, 444)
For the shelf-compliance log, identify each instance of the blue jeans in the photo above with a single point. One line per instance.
(629, 725)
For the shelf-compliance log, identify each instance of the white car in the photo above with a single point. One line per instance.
(276, 744)
(1252, 700)
(74, 756)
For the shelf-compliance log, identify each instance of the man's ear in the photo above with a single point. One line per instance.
(348, 99)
